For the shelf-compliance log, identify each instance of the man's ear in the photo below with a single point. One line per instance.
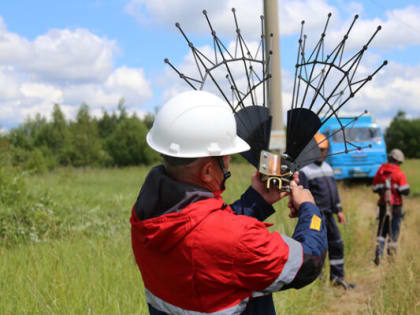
(207, 171)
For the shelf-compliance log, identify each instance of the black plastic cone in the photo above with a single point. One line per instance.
(309, 154)
(302, 125)
(253, 124)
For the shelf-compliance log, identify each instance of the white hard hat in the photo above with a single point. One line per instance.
(397, 155)
(195, 124)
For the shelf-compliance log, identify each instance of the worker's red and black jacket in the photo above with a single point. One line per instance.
(399, 184)
(198, 255)
(319, 179)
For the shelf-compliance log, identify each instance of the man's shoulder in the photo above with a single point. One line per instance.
(309, 168)
(326, 166)
(401, 175)
(314, 171)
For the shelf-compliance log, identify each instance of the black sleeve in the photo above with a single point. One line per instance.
(405, 192)
(253, 205)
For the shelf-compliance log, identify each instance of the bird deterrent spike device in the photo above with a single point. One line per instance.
(323, 84)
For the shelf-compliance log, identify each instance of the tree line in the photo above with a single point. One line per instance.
(119, 139)
(116, 139)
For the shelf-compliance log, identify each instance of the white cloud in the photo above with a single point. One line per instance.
(7, 111)
(75, 55)
(92, 94)
(188, 14)
(13, 48)
(67, 67)
(399, 30)
(42, 92)
(399, 27)
(128, 83)
(393, 89)
(131, 84)
(9, 84)
(313, 12)
(236, 70)
(59, 55)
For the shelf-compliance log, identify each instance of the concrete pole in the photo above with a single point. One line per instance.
(277, 140)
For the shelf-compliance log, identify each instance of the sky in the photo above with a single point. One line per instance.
(98, 52)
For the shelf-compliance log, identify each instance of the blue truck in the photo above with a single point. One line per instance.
(362, 132)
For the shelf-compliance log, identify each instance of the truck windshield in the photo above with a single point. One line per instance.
(366, 134)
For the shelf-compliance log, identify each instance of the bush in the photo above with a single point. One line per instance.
(24, 216)
(38, 160)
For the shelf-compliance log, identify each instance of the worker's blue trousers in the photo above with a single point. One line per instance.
(335, 247)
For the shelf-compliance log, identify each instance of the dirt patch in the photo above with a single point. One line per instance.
(355, 301)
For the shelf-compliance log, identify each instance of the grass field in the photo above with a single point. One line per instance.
(89, 268)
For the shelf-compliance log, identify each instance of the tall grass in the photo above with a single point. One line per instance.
(400, 282)
(74, 276)
(411, 168)
(65, 203)
(89, 269)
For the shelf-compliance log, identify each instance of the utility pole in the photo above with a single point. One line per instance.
(271, 21)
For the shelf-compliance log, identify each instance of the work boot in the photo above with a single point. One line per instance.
(337, 282)
(378, 255)
(391, 251)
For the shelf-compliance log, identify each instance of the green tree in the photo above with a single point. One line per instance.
(106, 124)
(404, 134)
(5, 155)
(127, 144)
(59, 131)
(122, 112)
(86, 147)
(148, 120)
(26, 135)
(57, 137)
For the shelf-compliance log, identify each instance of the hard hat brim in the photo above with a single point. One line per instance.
(239, 146)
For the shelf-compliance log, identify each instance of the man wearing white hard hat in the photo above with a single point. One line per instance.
(391, 184)
(197, 254)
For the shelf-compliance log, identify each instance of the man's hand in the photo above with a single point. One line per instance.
(298, 196)
(341, 217)
(271, 195)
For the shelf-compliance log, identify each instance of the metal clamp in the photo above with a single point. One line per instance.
(273, 172)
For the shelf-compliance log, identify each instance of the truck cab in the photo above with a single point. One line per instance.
(359, 163)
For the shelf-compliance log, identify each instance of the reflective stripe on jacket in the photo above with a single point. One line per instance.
(319, 179)
(399, 184)
(205, 259)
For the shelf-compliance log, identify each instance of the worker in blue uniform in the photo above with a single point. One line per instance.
(318, 177)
